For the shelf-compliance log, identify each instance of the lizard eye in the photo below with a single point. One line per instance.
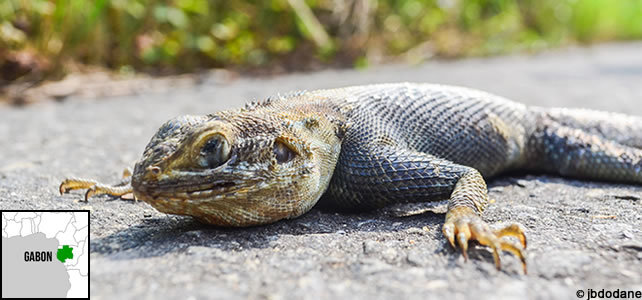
(282, 152)
(214, 152)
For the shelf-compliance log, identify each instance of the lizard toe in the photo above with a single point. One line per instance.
(514, 230)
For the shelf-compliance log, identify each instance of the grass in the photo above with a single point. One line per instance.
(188, 35)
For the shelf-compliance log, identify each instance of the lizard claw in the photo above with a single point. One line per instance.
(463, 235)
(464, 224)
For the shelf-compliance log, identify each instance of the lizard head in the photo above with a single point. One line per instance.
(240, 168)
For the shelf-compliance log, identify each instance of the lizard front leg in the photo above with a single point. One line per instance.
(96, 188)
(374, 175)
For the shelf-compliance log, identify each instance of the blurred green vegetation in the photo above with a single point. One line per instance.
(188, 35)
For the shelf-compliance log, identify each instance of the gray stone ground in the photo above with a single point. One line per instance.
(582, 235)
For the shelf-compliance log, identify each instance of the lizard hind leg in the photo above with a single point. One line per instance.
(577, 153)
(623, 129)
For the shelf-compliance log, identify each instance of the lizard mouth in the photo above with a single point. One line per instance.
(187, 192)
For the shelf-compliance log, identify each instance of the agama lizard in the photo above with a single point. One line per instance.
(368, 146)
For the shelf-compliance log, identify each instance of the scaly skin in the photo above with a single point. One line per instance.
(369, 146)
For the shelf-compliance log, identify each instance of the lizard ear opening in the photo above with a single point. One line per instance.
(214, 152)
(282, 152)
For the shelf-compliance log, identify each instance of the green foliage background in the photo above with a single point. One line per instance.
(186, 35)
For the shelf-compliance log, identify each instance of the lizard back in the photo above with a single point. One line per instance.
(436, 128)
(465, 126)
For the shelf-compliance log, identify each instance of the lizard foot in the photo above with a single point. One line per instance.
(95, 188)
(463, 224)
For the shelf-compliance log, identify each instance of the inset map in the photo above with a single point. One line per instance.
(45, 254)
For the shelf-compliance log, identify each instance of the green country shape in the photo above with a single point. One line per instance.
(64, 253)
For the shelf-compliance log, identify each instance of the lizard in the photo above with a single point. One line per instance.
(365, 147)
